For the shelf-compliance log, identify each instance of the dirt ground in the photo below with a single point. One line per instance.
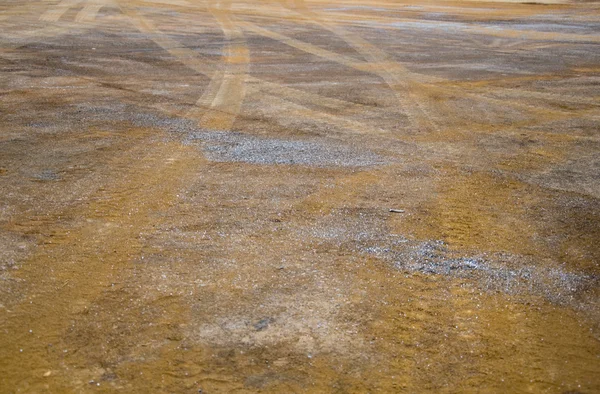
(196, 196)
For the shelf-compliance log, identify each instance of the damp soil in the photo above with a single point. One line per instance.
(238, 196)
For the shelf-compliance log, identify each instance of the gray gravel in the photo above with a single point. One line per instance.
(229, 146)
(498, 272)
(365, 231)
(238, 147)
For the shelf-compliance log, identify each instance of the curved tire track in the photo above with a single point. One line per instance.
(398, 78)
(88, 13)
(227, 88)
(55, 13)
(256, 86)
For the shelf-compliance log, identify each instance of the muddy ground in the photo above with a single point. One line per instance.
(195, 196)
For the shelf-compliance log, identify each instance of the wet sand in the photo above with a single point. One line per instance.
(299, 196)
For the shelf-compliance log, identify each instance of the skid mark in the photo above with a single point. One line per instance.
(169, 3)
(278, 99)
(541, 105)
(497, 44)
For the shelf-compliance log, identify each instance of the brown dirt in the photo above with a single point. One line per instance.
(196, 196)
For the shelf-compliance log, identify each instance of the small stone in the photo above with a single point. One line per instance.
(263, 324)
(47, 373)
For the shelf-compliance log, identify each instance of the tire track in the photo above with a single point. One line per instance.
(184, 55)
(16, 11)
(221, 102)
(397, 77)
(210, 101)
(255, 86)
(88, 13)
(419, 88)
(400, 79)
(187, 57)
(304, 113)
(227, 88)
(345, 60)
(56, 29)
(54, 14)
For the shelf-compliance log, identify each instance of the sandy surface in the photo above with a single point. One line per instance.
(195, 196)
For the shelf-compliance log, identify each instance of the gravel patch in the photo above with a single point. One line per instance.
(229, 146)
(500, 272)
(365, 232)
(239, 147)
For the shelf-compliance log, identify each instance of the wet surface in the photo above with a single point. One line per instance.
(293, 196)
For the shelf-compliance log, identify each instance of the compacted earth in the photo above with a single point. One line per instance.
(299, 196)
